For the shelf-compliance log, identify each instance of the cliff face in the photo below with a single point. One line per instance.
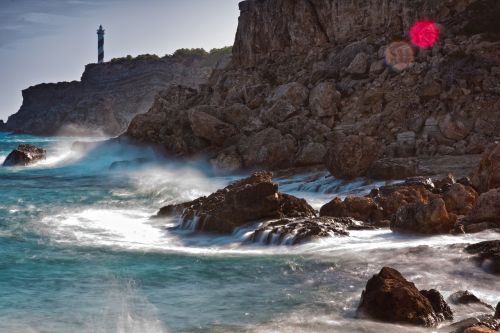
(284, 26)
(310, 76)
(108, 96)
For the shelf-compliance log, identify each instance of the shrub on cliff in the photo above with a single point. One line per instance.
(190, 52)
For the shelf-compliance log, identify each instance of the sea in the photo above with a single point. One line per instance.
(79, 252)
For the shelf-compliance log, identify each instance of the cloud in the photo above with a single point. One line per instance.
(32, 18)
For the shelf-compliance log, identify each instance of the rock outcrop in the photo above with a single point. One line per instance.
(389, 297)
(106, 99)
(309, 82)
(247, 200)
(25, 154)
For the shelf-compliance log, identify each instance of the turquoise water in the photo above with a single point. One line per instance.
(78, 253)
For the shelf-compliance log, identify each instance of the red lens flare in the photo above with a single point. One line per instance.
(424, 34)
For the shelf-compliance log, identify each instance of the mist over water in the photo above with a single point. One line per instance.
(79, 253)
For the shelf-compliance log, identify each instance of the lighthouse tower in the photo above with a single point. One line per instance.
(100, 45)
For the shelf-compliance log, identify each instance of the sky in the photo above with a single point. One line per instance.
(52, 40)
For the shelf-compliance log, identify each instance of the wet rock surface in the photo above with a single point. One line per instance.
(465, 297)
(301, 230)
(389, 297)
(247, 200)
(25, 154)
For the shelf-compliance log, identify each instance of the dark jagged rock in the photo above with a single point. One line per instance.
(25, 154)
(441, 308)
(497, 311)
(389, 297)
(301, 230)
(488, 254)
(466, 297)
(248, 200)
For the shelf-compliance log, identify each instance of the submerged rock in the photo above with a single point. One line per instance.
(301, 230)
(488, 254)
(247, 200)
(25, 154)
(465, 297)
(389, 297)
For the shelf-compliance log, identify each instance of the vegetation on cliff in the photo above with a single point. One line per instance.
(212, 56)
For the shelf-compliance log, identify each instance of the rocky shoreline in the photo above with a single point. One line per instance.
(417, 205)
(303, 90)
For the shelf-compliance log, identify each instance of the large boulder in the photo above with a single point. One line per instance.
(487, 175)
(25, 154)
(486, 208)
(389, 297)
(267, 148)
(352, 156)
(413, 191)
(360, 208)
(209, 127)
(487, 252)
(294, 93)
(324, 100)
(301, 230)
(431, 218)
(310, 154)
(248, 200)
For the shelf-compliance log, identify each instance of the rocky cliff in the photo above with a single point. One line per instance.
(108, 96)
(314, 78)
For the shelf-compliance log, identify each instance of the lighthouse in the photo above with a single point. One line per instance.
(100, 45)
